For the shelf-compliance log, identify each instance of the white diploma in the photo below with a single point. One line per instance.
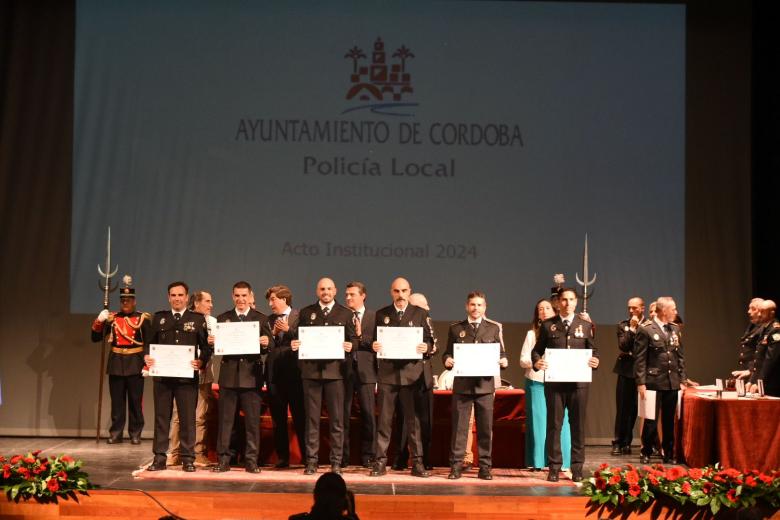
(647, 405)
(321, 342)
(172, 360)
(399, 342)
(237, 337)
(476, 359)
(566, 365)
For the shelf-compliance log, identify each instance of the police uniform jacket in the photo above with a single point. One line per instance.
(748, 344)
(365, 357)
(127, 333)
(624, 364)
(281, 363)
(339, 315)
(552, 334)
(403, 371)
(659, 362)
(769, 352)
(463, 332)
(190, 329)
(244, 370)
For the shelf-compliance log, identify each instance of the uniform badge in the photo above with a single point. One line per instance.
(462, 334)
(775, 337)
(552, 328)
(656, 337)
(189, 326)
(578, 332)
(313, 316)
(162, 321)
(411, 323)
(387, 320)
(675, 340)
(626, 328)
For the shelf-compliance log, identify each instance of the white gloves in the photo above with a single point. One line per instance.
(103, 316)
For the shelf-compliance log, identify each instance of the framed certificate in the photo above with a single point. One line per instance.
(399, 342)
(568, 365)
(321, 342)
(476, 359)
(237, 337)
(172, 360)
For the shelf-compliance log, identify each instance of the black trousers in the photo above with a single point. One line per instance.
(423, 409)
(384, 427)
(561, 397)
(626, 410)
(249, 401)
(283, 395)
(186, 395)
(665, 405)
(313, 392)
(126, 394)
(483, 417)
(367, 402)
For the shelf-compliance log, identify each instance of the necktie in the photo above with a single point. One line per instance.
(566, 325)
(356, 321)
(400, 315)
(241, 317)
(176, 316)
(325, 311)
(668, 329)
(475, 326)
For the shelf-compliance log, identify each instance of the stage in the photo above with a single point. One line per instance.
(277, 493)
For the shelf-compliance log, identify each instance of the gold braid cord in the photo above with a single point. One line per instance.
(133, 326)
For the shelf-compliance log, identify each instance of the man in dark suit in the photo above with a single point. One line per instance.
(748, 343)
(177, 326)
(660, 366)
(399, 378)
(766, 365)
(240, 380)
(127, 331)
(478, 392)
(565, 331)
(325, 377)
(282, 374)
(361, 377)
(625, 391)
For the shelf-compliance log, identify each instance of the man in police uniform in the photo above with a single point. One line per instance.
(748, 343)
(361, 378)
(567, 330)
(399, 378)
(766, 365)
(478, 392)
(660, 366)
(240, 380)
(177, 326)
(625, 391)
(126, 331)
(325, 377)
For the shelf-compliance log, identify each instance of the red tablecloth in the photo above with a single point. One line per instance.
(738, 433)
(508, 432)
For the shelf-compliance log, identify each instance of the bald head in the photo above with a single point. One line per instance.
(400, 290)
(768, 311)
(754, 310)
(419, 300)
(636, 307)
(326, 291)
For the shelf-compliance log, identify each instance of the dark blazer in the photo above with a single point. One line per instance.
(659, 362)
(364, 356)
(552, 334)
(624, 364)
(339, 315)
(769, 350)
(281, 363)
(245, 370)
(189, 330)
(748, 344)
(126, 364)
(402, 371)
(463, 332)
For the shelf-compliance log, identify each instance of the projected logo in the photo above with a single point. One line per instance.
(382, 86)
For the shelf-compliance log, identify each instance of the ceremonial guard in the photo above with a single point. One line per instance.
(177, 326)
(660, 366)
(478, 392)
(126, 331)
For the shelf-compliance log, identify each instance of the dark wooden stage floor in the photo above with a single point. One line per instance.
(122, 496)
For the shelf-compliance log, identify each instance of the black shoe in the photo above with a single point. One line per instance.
(615, 449)
(576, 476)
(670, 461)
(485, 474)
(336, 468)
(189, 467)
(552, 475)
(252, 468)
(368, 464)
(157, 466)
(656, 453)
(221, 467)
(418, 470)
(456, 471)
(379, 469)
(400, 466)
(135, 440)
(429, 467)
(114, 440)
(625, 450)
(644, 459)
(311, 468)
(282, 464)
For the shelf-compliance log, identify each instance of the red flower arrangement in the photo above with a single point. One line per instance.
(711, 487)
(43, 478)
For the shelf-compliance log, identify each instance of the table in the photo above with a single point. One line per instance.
(738, 433)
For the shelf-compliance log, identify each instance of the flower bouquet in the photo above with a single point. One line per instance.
(43, 478)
